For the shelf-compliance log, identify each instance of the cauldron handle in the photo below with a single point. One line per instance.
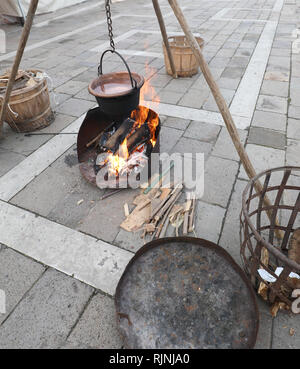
(134, 85)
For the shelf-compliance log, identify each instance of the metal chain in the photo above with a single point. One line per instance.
(109, 24)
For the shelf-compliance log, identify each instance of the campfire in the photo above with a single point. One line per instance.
(121, 147)
(126, 147)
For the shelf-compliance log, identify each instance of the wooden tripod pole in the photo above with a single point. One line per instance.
(220, 102)
(164, 36)
(18, 58)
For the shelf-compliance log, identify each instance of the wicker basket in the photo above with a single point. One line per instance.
(261, 251)
(29, 108)
(185, 62)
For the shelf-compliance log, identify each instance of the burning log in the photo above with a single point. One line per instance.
(119, 136)
(139, 137)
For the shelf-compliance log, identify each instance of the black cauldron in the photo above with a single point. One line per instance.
(117, 94)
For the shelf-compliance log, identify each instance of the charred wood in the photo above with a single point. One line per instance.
(139, 137)
(119, 136)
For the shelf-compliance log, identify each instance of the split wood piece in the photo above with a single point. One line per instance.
(22, 43)
(139, 199)
(166, 220)
(136, 219)
(278, 305)
(188, 205)
(141, 205)
(126, 210)
(148, 228)
(140, 136)
(176, 219)
(178, 208)
(165, 192)
(119, 136)
(163, 195)
(294, 246)
(94, 140)
(153, 193)
(192, 214)
(166, 206)
(263, 287)
(157, 204)
(221, 103)
(164, 36)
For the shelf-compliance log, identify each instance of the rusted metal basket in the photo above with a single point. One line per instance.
(185, 62)
(264, 241)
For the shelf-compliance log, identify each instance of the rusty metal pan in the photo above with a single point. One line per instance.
(185, 293)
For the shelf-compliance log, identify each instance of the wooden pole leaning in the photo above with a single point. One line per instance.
(164, 36)
(22, 44)
(223, 108)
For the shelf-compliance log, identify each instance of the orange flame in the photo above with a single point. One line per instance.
(117, 162)
(141, 115)
(123, 150)
(148, 92)
(153, 123)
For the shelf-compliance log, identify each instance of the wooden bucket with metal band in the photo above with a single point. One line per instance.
(185, 62)
(29, 108)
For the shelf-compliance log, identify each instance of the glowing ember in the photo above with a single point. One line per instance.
(117, 162)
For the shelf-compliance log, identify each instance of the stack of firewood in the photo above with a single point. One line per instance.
(157, 208)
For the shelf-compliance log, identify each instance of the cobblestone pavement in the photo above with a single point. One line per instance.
(59, 261)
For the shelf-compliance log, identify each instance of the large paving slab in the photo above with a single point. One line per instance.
(97, 327)
(8, 160)
(45, 316)
(286, 331)
(17, 275)
(263, 158)
(224, 146)
(57, 191)
(219, 170)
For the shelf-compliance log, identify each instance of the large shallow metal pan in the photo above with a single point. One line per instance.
(185, 293)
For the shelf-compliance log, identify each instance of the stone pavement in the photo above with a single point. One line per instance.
(60, 261)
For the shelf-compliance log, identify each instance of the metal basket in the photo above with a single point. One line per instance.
(262, 249)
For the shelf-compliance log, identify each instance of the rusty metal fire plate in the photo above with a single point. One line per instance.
(185, 293)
